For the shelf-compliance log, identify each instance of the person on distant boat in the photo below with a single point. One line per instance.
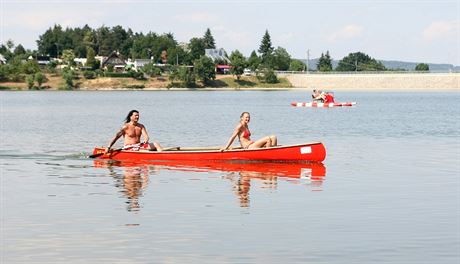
(244, 135)
(318, 96)
(132, 132)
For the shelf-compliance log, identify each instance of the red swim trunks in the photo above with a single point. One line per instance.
(136, 147)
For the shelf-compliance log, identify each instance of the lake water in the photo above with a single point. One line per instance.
(388, 191)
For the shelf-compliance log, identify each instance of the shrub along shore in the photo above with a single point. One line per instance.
(359, 82)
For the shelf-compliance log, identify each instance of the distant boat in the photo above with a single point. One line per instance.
(318, 104)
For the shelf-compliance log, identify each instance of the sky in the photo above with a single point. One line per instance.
(406, 30)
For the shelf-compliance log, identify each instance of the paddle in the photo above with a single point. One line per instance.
(120, 149)
(171, 148)
(102, 153)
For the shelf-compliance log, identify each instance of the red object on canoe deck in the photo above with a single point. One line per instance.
(308, 152)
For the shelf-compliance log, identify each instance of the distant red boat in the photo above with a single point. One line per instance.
(308, 152)
(318, 104)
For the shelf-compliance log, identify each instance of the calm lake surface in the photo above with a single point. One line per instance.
(388, 191)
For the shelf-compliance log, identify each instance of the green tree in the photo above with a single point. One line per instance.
(51, 67)
(151, 70)
(265, 48)
(40, 78)
(196, 48)
(422, 67)
(30, 81)
(208, 40)
(359, 61)
(19, 50)
(30, 67)
(184, 75)
(91, 58)
(68, 57)
(324, 63)
(68, 76)
(269, 76)
(52, 41)
(238, 64)
(204, 69)
(281, 59)
(253, 61)
(297, 65)
(6, 52)
(177, 56)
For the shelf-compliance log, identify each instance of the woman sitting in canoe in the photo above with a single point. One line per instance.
(244, 135)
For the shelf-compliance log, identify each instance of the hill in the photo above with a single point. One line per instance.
(391, 64)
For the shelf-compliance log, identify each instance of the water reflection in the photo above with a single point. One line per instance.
(132, 182)
(135, 176)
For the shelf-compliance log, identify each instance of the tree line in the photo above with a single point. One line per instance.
(86, 42)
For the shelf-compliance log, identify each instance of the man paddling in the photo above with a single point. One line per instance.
(132, 132)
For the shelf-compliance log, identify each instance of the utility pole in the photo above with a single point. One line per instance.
(356, 65)
(308, 59)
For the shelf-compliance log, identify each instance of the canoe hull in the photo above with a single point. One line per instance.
(309, 152)
(317, 104)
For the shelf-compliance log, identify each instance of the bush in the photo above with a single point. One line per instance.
(117, 74)
(268, 76)
(89, 75)
(151, 70)
(40, 78)
(185, 77)
(68, 76)
(30, 81)
(136, 75)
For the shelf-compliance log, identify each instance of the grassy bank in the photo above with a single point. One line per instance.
(222, 81)
(248, 82)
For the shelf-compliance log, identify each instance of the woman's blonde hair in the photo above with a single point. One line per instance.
(242, 114)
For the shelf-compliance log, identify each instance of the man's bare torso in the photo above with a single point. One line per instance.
(132, 133)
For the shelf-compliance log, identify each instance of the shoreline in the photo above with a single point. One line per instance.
(359, 82)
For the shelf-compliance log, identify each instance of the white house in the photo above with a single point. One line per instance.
(2, 59)
(138, 64)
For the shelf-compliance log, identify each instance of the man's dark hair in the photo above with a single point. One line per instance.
(128, 117)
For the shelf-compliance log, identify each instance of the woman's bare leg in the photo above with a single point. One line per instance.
(274, 140)
(263, 142)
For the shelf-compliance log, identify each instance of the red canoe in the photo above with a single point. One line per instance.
(318, 104)
(308, 152)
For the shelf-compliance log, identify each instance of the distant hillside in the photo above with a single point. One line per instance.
(409, 66)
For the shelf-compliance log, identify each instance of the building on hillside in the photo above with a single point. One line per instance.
(2, 59)
(138, 64)
(223, 69)
(184, 46)
(80, 61)
(115, 60)
(41, 59)
(217, 55)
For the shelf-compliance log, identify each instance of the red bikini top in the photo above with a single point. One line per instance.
(246, 133)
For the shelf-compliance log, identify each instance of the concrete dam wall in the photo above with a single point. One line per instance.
(379, 81)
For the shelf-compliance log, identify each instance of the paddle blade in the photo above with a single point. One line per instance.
(95, 155)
